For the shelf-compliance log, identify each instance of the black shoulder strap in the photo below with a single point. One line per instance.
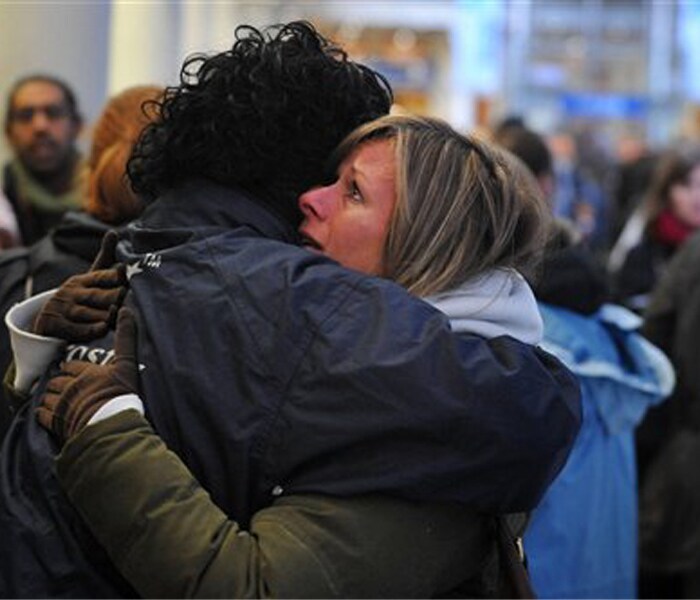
(512, 560)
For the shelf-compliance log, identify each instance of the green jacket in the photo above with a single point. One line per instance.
(168, 538)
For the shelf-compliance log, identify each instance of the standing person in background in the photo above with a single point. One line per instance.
(634, 167)
(42, 123)
(74, 242)
(578, 196)
(531, 149)
(669, 439)
(670, 216)
(632, 182)
(582, 539)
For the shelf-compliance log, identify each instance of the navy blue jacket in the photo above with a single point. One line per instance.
(271, 370)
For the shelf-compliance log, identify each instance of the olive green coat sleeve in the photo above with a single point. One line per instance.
(168, 539)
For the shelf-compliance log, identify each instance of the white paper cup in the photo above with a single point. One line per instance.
(32, 352)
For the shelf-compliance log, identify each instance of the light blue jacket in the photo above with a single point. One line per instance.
(582, 539)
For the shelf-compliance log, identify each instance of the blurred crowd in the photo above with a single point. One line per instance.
(618, 290)
(630, 223)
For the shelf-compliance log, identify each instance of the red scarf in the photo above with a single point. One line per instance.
(670, 231)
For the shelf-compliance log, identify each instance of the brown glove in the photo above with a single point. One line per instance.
(81, 388)
(85, 307)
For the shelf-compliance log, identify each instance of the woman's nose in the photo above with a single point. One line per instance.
(317, 202)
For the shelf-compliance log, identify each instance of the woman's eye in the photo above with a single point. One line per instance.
(355, 193)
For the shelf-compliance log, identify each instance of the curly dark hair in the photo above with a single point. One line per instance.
(264, 116)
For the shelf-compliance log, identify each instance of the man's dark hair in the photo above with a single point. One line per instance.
(264, 116)
(509, 122)
(528, 146)
(68, 95)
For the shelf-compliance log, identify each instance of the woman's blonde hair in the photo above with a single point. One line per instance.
(109, 196)
(462, 205)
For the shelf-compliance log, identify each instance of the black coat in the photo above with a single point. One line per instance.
(643, 267)
(668, 440)
(672, 322)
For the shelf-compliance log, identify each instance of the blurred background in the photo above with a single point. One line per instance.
(621, 74)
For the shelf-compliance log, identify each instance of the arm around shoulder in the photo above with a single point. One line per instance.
(168, 539)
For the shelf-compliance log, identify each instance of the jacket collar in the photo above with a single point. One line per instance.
(202, 203)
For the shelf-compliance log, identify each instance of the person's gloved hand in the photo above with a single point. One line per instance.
(81, 388)
(85, 307)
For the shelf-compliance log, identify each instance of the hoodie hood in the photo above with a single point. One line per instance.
(498, 302)
(626, 373)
